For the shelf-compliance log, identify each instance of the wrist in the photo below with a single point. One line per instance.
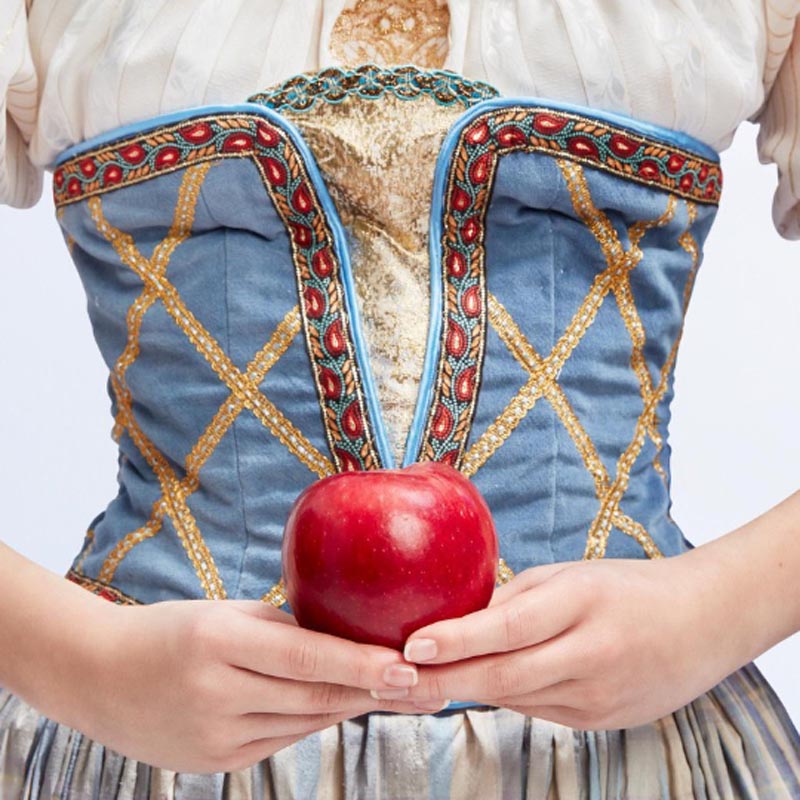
(54, 633)
(746, 580)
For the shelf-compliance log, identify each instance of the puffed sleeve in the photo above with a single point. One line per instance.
(779, 117)
(20, 180)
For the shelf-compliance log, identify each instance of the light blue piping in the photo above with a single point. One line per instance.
(673, 137)
(433, 343)
(340, 242)
(461, 704)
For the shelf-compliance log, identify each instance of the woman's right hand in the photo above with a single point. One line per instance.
(187, 685)
(215, 686)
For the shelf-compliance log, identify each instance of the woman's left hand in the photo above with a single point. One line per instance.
(594, 645)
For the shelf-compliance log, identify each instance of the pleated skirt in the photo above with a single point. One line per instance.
(734, 741)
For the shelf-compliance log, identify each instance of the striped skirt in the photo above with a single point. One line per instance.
(734, 741)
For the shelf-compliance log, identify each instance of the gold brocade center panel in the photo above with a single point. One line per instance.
(378, 159)
(399, 32)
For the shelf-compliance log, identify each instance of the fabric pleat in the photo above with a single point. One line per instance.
(734, 742)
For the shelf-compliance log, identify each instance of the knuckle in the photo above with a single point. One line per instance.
(206, 634)
(203, 687)
(457, 643)
(505, 680)
(398, 706)
(327, 697)
(431, 687)
(304, 659)
(361, 673)
(325, 720)
(607, 650)
(514, 626)
(585, 583)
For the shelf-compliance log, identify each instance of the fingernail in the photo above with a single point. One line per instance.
(389, 694)
(400, 675)
(433, 705)
(420, 650)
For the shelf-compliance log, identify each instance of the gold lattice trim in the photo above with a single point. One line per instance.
(276, 596)
(243, 387)
(504, 572)
(543, 371)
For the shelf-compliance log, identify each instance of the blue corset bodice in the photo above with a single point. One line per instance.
(561, 245)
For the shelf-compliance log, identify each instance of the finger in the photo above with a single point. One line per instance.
(259, 725)
(252, 727)
(527, 579)
(562, 715)
(564, 693)
(257, 693)
(287, 651)
(252, 752)
(262, 610)
(526, 619)
(497, 675)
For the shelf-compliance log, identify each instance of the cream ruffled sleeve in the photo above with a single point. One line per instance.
(20, 181)
(779, 118)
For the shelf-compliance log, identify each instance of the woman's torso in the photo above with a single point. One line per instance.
(567, 442)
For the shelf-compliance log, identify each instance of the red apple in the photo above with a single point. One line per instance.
(373, 556)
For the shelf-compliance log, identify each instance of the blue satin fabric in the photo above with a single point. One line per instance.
(236, 274)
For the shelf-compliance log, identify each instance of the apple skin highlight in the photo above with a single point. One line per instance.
(373, 556)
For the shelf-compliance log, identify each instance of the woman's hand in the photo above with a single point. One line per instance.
(594, 645)
(215, 686)
(189, 685)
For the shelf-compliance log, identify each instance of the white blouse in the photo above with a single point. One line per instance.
(71, 69)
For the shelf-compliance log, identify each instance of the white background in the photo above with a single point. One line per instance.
(735, 432)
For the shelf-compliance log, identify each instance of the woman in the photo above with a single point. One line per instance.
(366, 266)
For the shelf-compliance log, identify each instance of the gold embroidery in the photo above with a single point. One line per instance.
(376, 190)
(87, 547)
(630, 314)
(543, 372)
(244, 388)
(544, 383)
(173, 500)
(276, 596)
(240, 384)
(398, 32)
(69, 238)
(504, 572)
(606, 235)
(258, 368)
(548, 369)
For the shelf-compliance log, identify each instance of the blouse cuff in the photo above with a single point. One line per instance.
(20, 180)
(779, 132)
